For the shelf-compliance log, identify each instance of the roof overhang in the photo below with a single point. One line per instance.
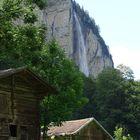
(57, 131)
(28, 73)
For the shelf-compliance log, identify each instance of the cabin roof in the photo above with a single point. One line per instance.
(24, 72)
(73, 127)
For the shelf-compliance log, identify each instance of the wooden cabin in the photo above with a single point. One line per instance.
(20, 93)
(84, 129)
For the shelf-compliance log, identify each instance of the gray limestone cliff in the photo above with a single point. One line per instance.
(78, 34)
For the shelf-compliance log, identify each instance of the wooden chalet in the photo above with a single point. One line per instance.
(83, 129)
(20, 93)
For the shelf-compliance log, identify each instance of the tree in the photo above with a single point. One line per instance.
(110, 98)
(62, 73)
(89, 109)
(132, 117)
(126, 72)
(116, 102)
(118, 135)
(113, 100)
(20, 43)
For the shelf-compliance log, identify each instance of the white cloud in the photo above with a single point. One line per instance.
(127, 56)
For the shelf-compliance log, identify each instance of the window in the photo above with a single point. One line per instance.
(13, 130)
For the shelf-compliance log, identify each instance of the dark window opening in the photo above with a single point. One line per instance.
(13, 130)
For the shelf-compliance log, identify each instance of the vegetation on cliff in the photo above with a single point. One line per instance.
(87, 21)
(40, 3)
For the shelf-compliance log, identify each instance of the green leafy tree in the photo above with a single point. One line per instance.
(20, 44)
(89, 109)
(126, 72)
(113, 100)
(41, 3)
(118, 135)
(116, 102)
(132, 108)
(132, 117)
(110, 98)
(62, 73)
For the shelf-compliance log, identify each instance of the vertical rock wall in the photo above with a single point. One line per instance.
(66, 23)
(59, 23)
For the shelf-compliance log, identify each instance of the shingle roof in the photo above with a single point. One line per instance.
(73, 127)
(69, 127)
(27, 72)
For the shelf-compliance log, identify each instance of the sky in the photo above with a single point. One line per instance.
(119, 22)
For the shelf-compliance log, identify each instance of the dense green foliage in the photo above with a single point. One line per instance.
(20, 44)
(62, 73)
(126, 72)
(114, 99)
(118, 135)
(41, 3)
(23, 43)
(89, 110)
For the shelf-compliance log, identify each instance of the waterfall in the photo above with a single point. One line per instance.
(81, 48)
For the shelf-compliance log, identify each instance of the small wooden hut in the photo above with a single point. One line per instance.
(84, 129)
(20, 93)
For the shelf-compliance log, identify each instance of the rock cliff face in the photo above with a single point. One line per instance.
(78, 34)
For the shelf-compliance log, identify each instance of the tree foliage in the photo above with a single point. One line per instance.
(118, 135)
(114, 100)
(111, 98)
(89, 109)
(126, 72)
(62, 73)
(20, 43)
(41, 3)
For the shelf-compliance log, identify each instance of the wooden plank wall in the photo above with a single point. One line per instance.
(18, 105)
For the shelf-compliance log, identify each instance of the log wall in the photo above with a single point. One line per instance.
(19, 109)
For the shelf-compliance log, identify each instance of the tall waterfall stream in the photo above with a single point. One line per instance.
(81, 48)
